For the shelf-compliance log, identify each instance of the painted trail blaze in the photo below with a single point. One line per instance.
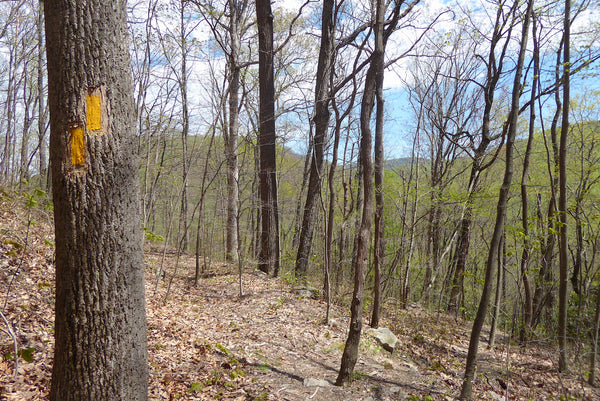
(77, 146)
(94, 113)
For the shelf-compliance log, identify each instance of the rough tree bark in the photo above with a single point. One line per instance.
(268, 258)
(100, 327)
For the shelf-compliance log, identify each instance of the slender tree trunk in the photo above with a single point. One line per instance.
(543, 297)
(321, 121)
(203, 189)
(525, 255)
(100, 334)
(27, 121)
(462, 252)
(379, 244)
(433, 248)
(331, 209)
(43, 165)
(6, 162)
(411, 242)
(562, 199)
(499, 288)
(231, 140)
(594, 347)
(268, 258)
(492, 260)
(372, 82)
(183, 222)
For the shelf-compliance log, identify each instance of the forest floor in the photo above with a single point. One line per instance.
(205, 342)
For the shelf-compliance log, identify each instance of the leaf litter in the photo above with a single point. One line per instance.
(208, 343)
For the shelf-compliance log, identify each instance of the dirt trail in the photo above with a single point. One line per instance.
(277, 337)
(207, 343)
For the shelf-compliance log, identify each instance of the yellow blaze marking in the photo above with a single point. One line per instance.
(94, 113)
(77, 146)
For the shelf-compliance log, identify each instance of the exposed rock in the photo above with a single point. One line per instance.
(306, 291)
(312, 382)
(397, 393)
(394, 389)
(412, 367)
(495, 396)
(384, 337)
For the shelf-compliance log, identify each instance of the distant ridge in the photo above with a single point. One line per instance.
(403, 161)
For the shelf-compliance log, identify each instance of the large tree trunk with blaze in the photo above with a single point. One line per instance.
(100, 327)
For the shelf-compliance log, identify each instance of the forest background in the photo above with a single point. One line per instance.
(449, 80)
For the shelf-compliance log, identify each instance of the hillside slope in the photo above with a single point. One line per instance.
(205, 342)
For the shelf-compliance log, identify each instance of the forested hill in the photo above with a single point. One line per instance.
(168, 132)
(205, 342)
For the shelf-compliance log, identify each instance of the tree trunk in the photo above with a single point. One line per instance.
(379, 244)
(373, 81)
(543, 297)
(321, 120)
(594, 347)
(499, 288)
(183, 218)
(268, 258)
(27, 121)
(331, 207)
(562, 199)
(43, 149)
(231, 139)
(100, 327)
(525, 255)
(492, 260)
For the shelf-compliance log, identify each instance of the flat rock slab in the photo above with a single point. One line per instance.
(384, 337)
(311, 382)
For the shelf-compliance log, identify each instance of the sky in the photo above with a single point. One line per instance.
(398, 126)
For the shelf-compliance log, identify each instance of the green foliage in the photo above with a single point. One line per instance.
(437, 367)
(150, 236)
(264, 367)
(216, 377)
(14, 244)
(27, 354)
(42, 285)
(222, 348)
(261, 397)
(195, 387)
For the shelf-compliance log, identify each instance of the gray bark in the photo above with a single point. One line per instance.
(100, 327)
